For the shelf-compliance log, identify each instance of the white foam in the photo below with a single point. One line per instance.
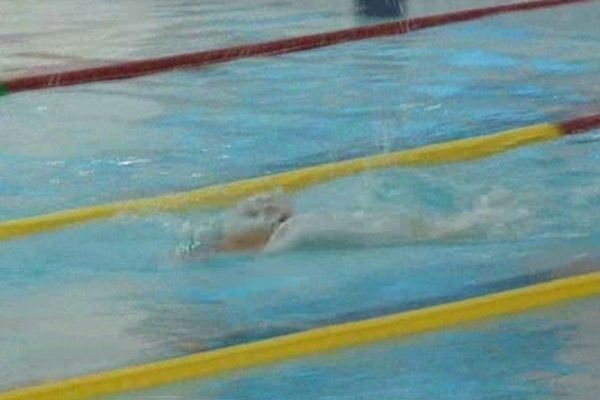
(493, 214)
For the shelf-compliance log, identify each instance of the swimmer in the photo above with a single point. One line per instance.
(267, 223)
(248, 227)
(254, 222)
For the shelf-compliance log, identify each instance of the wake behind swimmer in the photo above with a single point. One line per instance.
(268, 223)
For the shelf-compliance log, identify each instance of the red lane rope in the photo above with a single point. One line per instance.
(156, 65)
(579, 125)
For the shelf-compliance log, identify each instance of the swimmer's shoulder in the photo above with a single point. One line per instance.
(255, 240)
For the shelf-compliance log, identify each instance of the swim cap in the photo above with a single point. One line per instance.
(264, 211)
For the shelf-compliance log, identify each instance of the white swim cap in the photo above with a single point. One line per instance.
(264, 211)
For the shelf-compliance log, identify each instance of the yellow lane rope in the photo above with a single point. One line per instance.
(314, 341)
(226, 194)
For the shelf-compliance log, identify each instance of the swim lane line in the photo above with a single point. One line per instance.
(314, 341)
(133, 69)
(226, 194)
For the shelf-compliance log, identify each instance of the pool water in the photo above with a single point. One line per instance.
(114, 293)
(482, 361)
(67, 33)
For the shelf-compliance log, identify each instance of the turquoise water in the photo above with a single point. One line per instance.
(495, 360)
(110, 294)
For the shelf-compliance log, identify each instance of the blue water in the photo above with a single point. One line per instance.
(110, 294)
(495, 360)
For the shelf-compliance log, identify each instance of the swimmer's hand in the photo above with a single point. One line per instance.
(186, 250)
(200, 243)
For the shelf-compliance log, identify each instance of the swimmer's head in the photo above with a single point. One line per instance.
(261, 212)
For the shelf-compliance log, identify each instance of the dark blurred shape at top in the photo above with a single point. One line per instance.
(382, 8)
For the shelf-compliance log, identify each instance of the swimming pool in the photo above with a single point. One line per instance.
(111, 294)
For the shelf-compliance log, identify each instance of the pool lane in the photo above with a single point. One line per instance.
(550, 354)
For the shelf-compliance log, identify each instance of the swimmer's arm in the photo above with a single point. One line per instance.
(458, 227)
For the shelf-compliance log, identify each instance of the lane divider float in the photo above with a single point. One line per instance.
(133, 69)
(226, 194)
(314, 341)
